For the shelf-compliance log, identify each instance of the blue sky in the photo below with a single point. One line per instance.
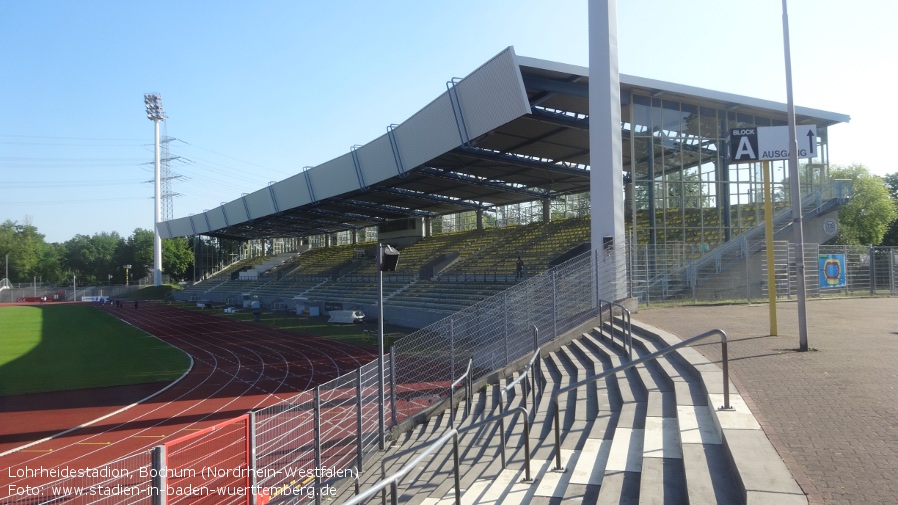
(254, 91)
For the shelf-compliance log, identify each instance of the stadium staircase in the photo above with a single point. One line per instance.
(654, 433)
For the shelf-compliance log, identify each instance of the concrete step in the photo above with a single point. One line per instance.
(652, 434)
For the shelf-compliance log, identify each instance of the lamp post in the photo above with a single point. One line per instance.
(127, 268)
(153, 102)
(795, 192)
(387, 259)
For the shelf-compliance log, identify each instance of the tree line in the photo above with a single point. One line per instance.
(871, 216)
(100, 258)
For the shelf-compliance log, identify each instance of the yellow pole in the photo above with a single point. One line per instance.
(768, 237)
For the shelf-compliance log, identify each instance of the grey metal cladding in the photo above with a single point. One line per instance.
(376, 160)
(493, 95)
(236, 212)
(179, 228)
(429, 133)
(260, 203)
(193, 224)
(334, 177)
(292, 192)
(217, 218)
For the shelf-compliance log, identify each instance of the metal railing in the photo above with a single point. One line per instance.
(435, 445)
(524, 378)
(469, 393)
(644, 359)
(627, 336)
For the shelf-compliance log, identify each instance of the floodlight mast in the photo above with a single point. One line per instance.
(153, 102)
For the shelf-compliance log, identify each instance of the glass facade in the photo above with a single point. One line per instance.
(683, 189)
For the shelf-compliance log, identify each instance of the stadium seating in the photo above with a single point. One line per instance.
(447, 272)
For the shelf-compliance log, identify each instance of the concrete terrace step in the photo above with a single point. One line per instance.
(652, 434)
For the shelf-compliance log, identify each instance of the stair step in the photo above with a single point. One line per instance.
(649, 435)
(589, 464)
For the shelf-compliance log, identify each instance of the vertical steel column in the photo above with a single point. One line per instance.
(554, 306)
(251, 428)
(158, 483)
(505, 325)
(451, 349)
(317, 441)
(358, 404)
(871, 253)
(891, 252)
(393, 385)
(598, 296)
(381, 431)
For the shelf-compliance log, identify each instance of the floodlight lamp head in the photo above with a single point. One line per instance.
(153, 102)
(389, 259)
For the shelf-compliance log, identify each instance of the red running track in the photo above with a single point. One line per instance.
(237, 367)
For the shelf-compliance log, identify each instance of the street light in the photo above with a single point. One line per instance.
(127, 268)
(387, 259)
(153, 102)
(795, 191)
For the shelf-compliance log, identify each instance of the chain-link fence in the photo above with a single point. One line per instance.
(320, 437)
(670, 275)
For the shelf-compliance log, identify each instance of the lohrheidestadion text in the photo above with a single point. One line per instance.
(173, 486)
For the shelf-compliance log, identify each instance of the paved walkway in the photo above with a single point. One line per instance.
(831, 413)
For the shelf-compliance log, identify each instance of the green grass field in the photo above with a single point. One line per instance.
(66, 347)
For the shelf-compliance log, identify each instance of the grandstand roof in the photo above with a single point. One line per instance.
(514, 130)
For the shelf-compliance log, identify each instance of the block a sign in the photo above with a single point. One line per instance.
(768, 143)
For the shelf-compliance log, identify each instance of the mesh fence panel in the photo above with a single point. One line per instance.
(666, 274)
(285, 439)
(426, 359)
(371, 407)
(209, 466)
(123, 481)
(498, 330)
(339, 423)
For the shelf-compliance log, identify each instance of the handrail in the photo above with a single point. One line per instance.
(434, 445)
(525, 373)
(648, 357)
(627, 339)
(504, 393)
(469, 392)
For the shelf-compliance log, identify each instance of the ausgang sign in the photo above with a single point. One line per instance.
(768, 143)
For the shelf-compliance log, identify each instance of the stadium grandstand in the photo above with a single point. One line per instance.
(486, 193)
(496, 169)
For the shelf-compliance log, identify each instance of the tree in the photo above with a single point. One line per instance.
(177, 257)
(49, 266)
(93, 258)
(865, 219)
(891, 236)
(25, 247)
(140, 252)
